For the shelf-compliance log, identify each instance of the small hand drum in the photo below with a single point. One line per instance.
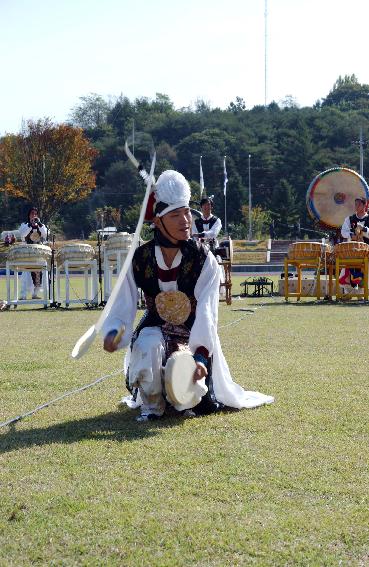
(181, 390)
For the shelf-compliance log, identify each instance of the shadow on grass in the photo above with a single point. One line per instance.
(116, 426)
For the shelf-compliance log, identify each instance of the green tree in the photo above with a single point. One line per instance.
(91, 112)
(260, 221)
(284, 207)
(348, 94)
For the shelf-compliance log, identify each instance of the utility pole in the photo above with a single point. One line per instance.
(133, 137)
(361, 143)
(265, 51)
(250, 201)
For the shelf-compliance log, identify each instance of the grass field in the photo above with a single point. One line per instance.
(83, 484)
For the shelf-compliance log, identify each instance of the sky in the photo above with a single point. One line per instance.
(52, 52)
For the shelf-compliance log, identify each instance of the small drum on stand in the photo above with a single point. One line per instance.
(181, 390)
(77, 257)
(352, 256)
(308, 255)
(353, 249)
(27, 258)
(308, 250)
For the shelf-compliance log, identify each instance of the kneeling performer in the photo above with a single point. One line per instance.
(180, 280)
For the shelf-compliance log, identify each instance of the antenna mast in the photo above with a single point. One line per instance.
(265, 51)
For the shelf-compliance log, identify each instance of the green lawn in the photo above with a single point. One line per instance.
(83, 484)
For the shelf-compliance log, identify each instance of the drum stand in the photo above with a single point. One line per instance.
(16, 267)
(102, 301)
(303, 264)
(89, 268)
(358, 263)
(53, 304)
(227, 284)
(112, 259)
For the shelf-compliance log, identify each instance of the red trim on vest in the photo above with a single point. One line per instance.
(168, 275)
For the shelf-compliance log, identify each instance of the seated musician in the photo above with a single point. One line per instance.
(180, 280)
(355, 228)
(32, 232)
(208, 226)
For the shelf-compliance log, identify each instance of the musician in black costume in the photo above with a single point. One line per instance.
(180, 280)
(358, 222)
(355, 227)
(208, 226)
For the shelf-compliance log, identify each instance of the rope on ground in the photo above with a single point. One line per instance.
(70, 393)
(232, 323)
(97, 381)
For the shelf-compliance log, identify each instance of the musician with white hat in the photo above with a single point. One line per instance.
(180, 281)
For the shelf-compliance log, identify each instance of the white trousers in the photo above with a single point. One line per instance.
(146, 372)
(26, 284)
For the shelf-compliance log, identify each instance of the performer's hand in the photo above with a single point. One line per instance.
(110, 345)
(200, 371)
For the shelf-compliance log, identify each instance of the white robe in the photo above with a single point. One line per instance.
(203, 333)
(26, 278)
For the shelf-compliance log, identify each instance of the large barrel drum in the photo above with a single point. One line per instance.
(77, 252)
(119, 241)
(29, 253)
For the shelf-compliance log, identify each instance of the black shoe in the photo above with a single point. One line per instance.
(149, 417)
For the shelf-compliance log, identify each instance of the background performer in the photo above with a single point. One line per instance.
(32, 232)
(208, 226)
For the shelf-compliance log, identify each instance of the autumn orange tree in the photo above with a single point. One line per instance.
(48, 165)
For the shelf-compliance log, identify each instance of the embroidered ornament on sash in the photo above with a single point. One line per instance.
(35, 237)
(173, 306)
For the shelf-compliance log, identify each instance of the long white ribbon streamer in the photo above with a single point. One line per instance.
(84, 342)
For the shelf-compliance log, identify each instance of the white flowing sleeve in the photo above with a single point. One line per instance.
(43, 230)
(204, 329)
(24, 229)
(215, 230)
(346, 229)
(123, 311)
(204, 333)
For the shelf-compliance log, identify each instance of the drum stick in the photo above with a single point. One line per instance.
(84, 342)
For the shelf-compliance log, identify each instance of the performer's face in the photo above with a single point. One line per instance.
(33, 215)
(175, 225)
(359, 207)
(206, 210)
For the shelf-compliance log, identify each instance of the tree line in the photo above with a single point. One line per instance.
(288, 146)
